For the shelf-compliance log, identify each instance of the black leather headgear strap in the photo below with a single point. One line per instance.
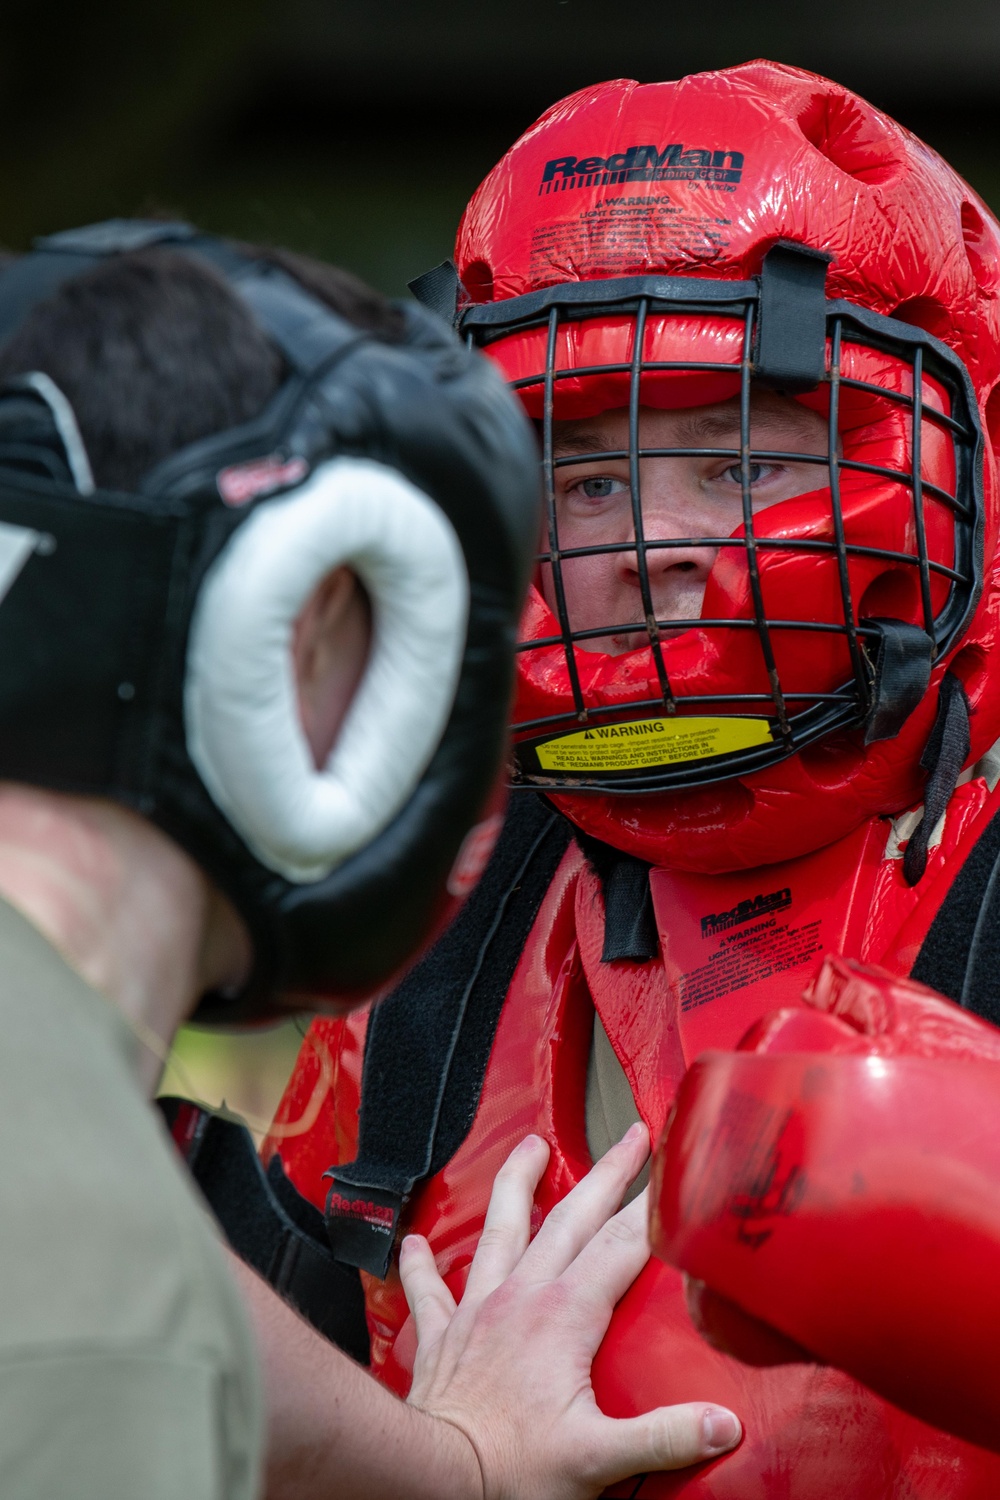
(57, 257)
(94, 628)
(791, 324)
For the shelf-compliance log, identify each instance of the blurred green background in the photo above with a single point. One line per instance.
(356, 130)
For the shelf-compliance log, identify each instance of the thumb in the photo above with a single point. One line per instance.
(671, 1437)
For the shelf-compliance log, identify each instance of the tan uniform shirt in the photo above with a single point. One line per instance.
(127, 1370)
(611, 1108)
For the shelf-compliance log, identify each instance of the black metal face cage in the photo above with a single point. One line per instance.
(786, 321)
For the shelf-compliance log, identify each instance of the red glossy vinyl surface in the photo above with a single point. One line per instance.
(796, 586)
(812, 1432)
(854, 1203)
(699, 177)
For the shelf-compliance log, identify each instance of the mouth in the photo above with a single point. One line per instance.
(636, 640)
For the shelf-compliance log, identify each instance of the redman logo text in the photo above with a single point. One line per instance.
(375, 1214)
(745, 911)
(673, 163)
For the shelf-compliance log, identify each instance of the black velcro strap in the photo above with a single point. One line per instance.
(429, 1042)
(791, 326)
(960, 956)
(903, 656)
(440, 289)
(945, 754)
(630, 931)
(629, 924)
(269, 1224)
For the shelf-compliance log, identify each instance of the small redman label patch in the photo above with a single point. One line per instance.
(650, 742)
(261, 476)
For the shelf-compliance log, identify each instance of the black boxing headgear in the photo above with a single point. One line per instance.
(145, 637)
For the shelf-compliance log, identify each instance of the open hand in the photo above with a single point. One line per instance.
(510, 1365)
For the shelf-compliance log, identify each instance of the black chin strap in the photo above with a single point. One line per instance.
(944, 755)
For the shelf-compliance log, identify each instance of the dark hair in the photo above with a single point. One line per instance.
(346, 294)
(154, 350)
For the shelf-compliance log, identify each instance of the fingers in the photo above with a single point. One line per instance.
(604, 1270)
(427, 1297)
(671, 1437)
(580, 1215)
(507, 1229)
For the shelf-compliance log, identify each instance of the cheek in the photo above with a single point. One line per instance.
(606, 519)
(589, 576)
(589, 585)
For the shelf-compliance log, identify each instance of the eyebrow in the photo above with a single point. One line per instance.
(697, 431)
(577, 442)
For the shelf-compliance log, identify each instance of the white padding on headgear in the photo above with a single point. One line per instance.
(243, 728)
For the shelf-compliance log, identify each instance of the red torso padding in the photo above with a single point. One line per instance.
(811, 1432)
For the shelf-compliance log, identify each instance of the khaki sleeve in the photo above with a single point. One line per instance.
(105, 1425)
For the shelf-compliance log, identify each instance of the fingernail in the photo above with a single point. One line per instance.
(720, 1429)
(529, 1143)
(633, 1132)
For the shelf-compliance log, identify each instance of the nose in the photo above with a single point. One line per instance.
(677, 573)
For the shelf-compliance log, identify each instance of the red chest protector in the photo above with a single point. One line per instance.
(733, 948)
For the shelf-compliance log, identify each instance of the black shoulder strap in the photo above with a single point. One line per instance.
(960, 956)
(429, 1042)
(269, 1224)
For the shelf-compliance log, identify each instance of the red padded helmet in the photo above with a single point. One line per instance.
(680, 244)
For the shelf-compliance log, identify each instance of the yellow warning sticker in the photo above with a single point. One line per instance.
(650, 742)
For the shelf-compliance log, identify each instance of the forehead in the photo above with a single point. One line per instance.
(689, 427)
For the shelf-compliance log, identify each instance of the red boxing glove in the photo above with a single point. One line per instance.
(838, 1178)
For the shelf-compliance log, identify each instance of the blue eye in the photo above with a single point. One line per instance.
(754, 473)
(602, 487)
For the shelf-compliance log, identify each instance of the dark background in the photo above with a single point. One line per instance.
(356, 129)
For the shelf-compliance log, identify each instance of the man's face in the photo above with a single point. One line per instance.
(681, 497)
